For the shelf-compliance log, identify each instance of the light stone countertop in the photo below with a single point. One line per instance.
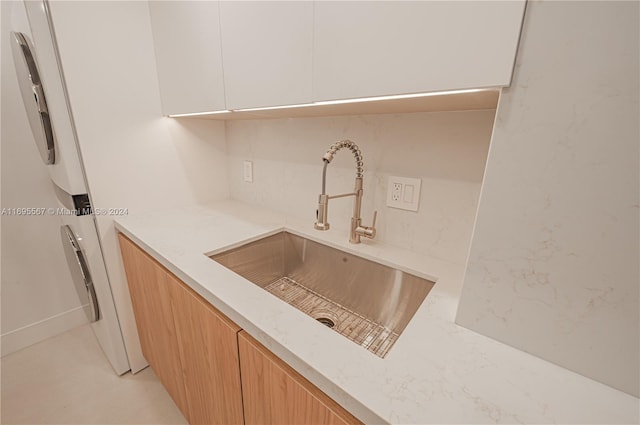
(437, 371)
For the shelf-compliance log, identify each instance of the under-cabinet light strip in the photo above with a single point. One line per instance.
(398, 96)
(271, 108)
(339, 102)
(195, 114)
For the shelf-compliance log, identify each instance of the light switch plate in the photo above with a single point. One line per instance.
(248, 171)
(403, 193)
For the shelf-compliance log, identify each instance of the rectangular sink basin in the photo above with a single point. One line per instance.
(367, 302)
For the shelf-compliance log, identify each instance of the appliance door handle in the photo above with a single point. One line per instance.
(33, 97)
(80, 273)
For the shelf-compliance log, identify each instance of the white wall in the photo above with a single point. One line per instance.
(38, 296)
(553, 267)
(3, 15)
(446, 150)
(134, 158)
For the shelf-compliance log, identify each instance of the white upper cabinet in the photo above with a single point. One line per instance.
(391, 47)
(267, 52)
(213, 56)
(186, 37)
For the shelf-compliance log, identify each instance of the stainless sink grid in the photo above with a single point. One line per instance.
(364, 332)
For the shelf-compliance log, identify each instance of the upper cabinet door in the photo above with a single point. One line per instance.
(267, 52)
(391, 47)
(186, 37)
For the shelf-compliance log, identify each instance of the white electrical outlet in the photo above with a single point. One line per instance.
(396, 192)
(248, 171)
(403, 193)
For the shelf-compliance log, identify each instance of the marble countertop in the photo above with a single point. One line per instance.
(437, 371)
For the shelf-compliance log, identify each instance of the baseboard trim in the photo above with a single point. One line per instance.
(39, 331)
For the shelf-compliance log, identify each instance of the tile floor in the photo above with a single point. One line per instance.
(68, 380)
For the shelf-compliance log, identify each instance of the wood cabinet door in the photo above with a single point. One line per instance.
(274, 393)
(151, 298)
(209, 352)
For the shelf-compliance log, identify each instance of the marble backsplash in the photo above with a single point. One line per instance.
(553, 265)
(446, 150)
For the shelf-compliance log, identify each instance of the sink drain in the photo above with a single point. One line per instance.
(326, 321)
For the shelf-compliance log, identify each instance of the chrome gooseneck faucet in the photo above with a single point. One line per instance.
(357, 229)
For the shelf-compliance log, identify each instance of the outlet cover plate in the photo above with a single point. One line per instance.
(403, 193)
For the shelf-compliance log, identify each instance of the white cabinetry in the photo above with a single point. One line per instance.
(267, 51)
(391, 47)
(235, 55)
(186, 38)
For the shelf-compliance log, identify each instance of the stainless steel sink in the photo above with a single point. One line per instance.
(369, 303)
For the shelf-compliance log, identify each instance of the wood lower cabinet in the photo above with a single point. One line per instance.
(274, 393)
(192, 348)
(198, 354)
(150, 295)
(209, 353)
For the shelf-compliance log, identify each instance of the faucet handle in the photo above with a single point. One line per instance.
(371, 231)
(368, 231)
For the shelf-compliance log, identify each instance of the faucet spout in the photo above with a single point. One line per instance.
(357, 230)
(334, 148)
(322, 213)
